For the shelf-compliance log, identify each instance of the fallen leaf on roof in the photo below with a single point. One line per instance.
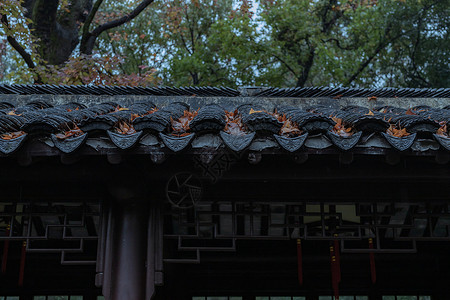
(123, 127)
(442, 131)
(13, 113)
(234, 123)
(397, 131)
(180, 127)
(342, 128)
(252, 111)
(118, 108)
(72, 132)
(12, 135)
(410, 112)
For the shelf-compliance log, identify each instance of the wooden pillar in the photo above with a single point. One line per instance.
(129, 260)
(129, 251)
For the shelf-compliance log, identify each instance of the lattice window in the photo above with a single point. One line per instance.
(217, 298)
(406, 297)
(344, 298)
(58, 297)
(280, 298)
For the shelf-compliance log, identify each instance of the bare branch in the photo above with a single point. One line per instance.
(87, 24)
(88, 42)
(15, 44)
(286, 65)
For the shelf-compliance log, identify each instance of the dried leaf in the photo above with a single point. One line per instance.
(12, 135)
(74, 132)
(181, 126)
(442, 131)
(342, 128)
(234, 123)
(13, 113)
(123, 127)
(397, 131)
(252, 111)
(410, 112)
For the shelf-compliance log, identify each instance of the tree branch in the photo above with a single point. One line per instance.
(89, 42)
(87, 24)
(413, 55)
(286, 65)
(384, 41)
(13, 42)
(306, 67)
(338, 44)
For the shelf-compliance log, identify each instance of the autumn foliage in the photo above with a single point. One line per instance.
(180, 127)
(289, 128)
(397, 131)
(442, 131)
(97, 70)
(74, 132)
(124, 127)
(234, 124)
(11, 135)
(342, 128)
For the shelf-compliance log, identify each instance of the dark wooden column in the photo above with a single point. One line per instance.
(128, 270)
(129, 261)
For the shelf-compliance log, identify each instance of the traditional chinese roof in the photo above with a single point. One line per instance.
(257, 123)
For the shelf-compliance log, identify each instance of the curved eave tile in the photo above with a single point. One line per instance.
(10, 146)
(124, 141)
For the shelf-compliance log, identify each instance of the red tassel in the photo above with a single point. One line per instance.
(338, 259)
(334, 277)
(22, 263)
(5, 250)
(373, 271)
(300, 262)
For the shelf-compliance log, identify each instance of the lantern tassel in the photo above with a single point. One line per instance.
(22, 263)
(299, 262)
(5, 250)
(373, 271)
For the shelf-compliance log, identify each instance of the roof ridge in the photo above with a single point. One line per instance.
(208, 91)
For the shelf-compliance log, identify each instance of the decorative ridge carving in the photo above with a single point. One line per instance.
(443, 141)
(344, 143)
(237, 142)
(400, 143)
(176, 144)
(124, 141)
(9, 146)
(69, 145)
(291, 144)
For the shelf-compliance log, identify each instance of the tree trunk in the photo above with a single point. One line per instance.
(58, 34)
(307, 67)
